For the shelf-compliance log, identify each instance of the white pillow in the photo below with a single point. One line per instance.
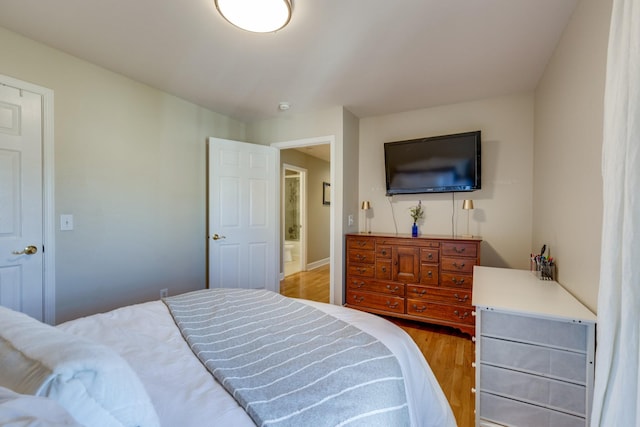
(20, 410)
(91, 381)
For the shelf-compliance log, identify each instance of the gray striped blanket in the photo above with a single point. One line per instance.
(289, 364)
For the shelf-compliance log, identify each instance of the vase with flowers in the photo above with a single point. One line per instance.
(416, 212)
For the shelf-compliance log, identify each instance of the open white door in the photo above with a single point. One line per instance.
(21, 218)
(243, 221)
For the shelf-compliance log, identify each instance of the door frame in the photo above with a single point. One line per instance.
(336, 204)
(302, 206)
(48, 212)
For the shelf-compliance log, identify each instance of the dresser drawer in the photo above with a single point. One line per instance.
(458, 281)
(376, 301)
(449, 296)
(457, 314)
(459, 249)
(430, 256)
(358, 284)
(383, 269)
(535, 389)
(361, 256)
(550, 362)
(361, 243)
(364, 270)
(458, 265)
(429, 274)
(511, 412)
(383, 251)
(537, 330)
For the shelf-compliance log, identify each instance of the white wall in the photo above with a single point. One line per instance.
(503, 207)
(130, 166)
(569, 100)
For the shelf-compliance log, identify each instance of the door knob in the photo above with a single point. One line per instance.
(218, 237)
(29, 250)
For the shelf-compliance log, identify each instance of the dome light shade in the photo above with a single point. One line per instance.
(258, 16)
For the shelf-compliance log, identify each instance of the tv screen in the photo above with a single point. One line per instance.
(438, 164)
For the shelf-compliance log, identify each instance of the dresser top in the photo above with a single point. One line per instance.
(421, 236)
(521, 291)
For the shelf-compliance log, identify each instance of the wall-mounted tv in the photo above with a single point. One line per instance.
(439, 164)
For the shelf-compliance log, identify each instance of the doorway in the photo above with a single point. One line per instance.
(294, 201)
(315, 205)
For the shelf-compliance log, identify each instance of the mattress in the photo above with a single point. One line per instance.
(185, 394)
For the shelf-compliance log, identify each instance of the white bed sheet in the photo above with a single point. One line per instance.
(185, 394)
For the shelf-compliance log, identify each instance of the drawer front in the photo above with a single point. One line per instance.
(429, 274)
(514, 413)
(358, 284)
(458, 281)
(383, 269)
(451, 313)
(546, 361)
(383, 251)
(376, 301)
(534, 389)
(555, 333)
(361, 256)
(429, 256)
(364, 270)
(448, 296)
(361, 243)
(459, 249)
(458, 265)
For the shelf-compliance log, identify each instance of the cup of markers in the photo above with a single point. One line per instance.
(543, 266)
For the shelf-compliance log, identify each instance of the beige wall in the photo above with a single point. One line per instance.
(567, 208)
(318, 215)
(130, 166)
(502, 215)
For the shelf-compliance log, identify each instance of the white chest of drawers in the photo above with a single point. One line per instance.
(535, 351)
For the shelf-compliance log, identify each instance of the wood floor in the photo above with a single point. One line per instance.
(448, 352)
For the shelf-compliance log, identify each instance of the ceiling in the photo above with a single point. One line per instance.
(374, 57)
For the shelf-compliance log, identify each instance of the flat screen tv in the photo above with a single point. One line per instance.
(439, 164)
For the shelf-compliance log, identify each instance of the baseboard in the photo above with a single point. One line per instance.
(318, 264)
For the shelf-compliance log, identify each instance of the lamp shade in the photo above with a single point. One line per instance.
(467, 205)
(258, 16)
(366, 205)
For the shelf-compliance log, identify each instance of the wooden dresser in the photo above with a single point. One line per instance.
(427, 278)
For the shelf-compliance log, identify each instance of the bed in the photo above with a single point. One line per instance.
(162, 381)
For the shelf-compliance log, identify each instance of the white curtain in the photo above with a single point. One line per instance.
(616, 399)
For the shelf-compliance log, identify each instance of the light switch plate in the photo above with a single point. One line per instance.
(66, 222)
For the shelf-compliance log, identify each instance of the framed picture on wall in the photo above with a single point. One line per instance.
(326, 193)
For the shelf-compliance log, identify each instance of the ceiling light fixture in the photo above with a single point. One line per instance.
(258, 16)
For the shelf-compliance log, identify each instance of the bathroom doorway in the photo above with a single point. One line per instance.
(294, 219)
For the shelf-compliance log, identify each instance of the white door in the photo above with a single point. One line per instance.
(21, 220)
(243, 222)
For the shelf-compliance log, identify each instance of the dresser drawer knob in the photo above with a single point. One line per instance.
(458, 266)
(361, 243)
(358, 299)
(463, 299)
(384, 269)
(357, 284)
(430, 274)
(396, 289)
(361, 257)
(392, 305)
(457, 281)
(420, 309)
(463, 316)
(458, 251)
(361, 270)
(420, 292)
(383, 252)
(430, 256)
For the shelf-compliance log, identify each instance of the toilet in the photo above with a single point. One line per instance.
(288, 247)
